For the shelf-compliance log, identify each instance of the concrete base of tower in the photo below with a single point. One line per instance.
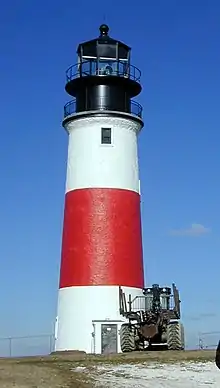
(89, 319)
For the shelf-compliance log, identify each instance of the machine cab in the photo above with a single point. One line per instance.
(158, 295)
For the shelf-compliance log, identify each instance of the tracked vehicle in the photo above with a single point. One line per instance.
(153, 320)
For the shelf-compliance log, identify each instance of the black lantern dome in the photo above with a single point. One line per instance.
(103, 78)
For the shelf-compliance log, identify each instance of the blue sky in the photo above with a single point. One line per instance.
(176, 45)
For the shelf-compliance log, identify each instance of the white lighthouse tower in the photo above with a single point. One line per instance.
(102, 242)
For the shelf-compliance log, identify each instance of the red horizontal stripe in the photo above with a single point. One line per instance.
(102, 242)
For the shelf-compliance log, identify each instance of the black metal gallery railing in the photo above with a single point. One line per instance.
(135, 109)
(94, 67)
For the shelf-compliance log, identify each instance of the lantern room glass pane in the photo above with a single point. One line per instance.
(106, 51)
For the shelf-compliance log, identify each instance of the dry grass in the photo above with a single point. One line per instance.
(55, 371)
(40, 373)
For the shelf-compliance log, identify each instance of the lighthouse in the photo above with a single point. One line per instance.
(102, 239)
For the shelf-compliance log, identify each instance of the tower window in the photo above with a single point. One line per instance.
(106, 136)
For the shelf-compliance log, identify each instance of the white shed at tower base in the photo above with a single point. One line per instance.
(106, 337)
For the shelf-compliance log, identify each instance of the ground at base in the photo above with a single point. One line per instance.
(78, 370)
